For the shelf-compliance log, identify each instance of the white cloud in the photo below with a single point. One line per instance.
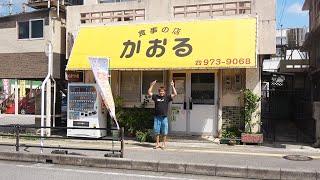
(296, 8)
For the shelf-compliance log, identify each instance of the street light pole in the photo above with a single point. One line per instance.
(281, 43)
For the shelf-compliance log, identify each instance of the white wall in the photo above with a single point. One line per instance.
(11, 44)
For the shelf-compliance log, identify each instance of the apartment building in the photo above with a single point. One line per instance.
(208, 97)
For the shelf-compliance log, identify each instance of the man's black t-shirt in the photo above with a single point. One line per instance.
(161, 104)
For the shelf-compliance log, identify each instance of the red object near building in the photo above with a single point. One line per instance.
(10, 109)
(252, 138)
(26, 106)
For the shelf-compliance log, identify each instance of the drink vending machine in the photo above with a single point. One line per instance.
(85, 110)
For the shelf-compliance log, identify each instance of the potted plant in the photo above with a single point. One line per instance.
(250, 104)
(2, 109)
(230, 136)
(145, 136)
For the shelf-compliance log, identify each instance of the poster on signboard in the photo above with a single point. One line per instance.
(100, 69)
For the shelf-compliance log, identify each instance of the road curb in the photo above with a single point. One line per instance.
(169, 167)
(294, 174)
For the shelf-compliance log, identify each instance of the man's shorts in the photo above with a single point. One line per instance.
(160, 125)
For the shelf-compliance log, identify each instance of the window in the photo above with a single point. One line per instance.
(112, 16)
(30, 29)
(37, 29)
(148, 77)
(134, 85)
(23, 30)
(202, 88)
(211, 10)
(130, 86)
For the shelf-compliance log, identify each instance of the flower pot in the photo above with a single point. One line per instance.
(232, 142)
(229, 141)
(224, 141)
(252, 138)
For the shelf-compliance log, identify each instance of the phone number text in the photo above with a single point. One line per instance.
(217, 62)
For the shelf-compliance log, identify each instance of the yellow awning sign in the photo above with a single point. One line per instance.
(201, 44)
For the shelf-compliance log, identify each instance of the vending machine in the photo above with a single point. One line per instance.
(85, 110)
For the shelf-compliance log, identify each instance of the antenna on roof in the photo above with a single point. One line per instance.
(24, 7)
(10, 5)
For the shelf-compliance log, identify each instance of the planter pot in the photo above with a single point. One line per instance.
(229, 141)
(252, 138)
(232, 142)
(224, 141)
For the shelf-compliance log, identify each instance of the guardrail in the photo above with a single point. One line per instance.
(17, 135)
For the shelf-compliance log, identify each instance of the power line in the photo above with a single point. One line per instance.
(284, 2)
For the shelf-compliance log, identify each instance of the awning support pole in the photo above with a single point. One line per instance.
(16, 97)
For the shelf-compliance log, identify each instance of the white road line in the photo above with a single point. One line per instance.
(105, 173)
(227, 152)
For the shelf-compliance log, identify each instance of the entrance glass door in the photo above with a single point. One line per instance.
(178, 108)
(194, 110)
(202, 103)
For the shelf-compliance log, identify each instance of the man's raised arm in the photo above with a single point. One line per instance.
(174, 93)
(151, 87)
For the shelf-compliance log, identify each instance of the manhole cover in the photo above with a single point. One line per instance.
(297, 158)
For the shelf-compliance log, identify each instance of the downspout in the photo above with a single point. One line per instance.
(58, 8)
(42, 92)
(54, 102)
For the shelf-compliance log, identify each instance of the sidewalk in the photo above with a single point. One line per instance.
(238, 161)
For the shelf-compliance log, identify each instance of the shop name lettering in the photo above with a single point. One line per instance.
(157, 47)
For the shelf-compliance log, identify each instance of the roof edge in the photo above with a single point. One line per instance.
(24, 13)
(306, 5)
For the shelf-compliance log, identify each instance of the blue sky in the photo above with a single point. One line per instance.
(292, 15)
(290, 10)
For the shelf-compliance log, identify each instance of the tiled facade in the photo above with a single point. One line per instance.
(32, 65)
(231, 117)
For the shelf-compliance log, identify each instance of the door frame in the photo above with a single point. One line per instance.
(188, 73)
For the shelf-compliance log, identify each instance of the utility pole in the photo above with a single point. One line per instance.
(9, 5)
(281, 43)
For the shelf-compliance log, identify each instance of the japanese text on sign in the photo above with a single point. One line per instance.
(157, 47)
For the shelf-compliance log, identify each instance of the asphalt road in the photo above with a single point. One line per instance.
(35, 171)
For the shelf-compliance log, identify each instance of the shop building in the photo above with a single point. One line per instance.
(208, 98)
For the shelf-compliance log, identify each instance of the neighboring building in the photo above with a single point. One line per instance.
(206, 116)
(273, 64)
(287, 51)
(286, 103)
(23, 56)
(312, 43)
(23, 46)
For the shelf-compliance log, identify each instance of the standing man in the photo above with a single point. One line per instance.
(161, 101)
